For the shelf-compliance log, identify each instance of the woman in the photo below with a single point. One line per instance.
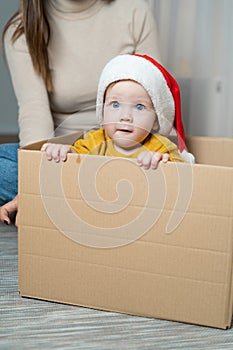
(56, 50)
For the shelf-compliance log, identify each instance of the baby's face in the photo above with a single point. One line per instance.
(129, 115)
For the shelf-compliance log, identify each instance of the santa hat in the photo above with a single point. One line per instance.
(159, 84)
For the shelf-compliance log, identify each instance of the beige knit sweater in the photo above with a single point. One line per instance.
(84, 36)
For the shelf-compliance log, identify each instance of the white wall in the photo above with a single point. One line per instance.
(196, 45)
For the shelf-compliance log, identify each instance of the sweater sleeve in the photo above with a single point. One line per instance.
(144, 31)
(92, 144)
(34, 115)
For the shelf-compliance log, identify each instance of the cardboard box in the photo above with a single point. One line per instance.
(101, 232)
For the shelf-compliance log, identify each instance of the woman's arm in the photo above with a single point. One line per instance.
(35, 118)
(144, 31)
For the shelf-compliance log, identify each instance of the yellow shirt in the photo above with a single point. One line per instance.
(98, 143)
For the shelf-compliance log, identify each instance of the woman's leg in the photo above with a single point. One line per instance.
(8, 172)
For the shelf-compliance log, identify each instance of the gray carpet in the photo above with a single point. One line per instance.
(34, 324)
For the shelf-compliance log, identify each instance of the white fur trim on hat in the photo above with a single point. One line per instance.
(149, 76)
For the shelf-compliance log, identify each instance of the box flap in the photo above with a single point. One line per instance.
(66, 139)
(211, 150)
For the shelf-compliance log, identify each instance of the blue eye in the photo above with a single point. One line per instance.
(140, 107)
(115, 104)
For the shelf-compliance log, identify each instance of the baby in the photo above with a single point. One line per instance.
(138, 102)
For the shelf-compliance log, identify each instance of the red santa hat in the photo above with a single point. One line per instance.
(157, 81)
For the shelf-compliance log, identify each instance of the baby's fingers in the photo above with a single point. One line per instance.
(63, 152)
(55, 152)
(47, 148)
(155, 159)
(44, 147)
(165, 158)
(140, 158)
(144, 159)
(51, 150)
(151, 160)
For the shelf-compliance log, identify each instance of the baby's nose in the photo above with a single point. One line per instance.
(126, 114)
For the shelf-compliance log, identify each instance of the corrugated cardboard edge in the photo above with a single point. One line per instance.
(230, 306)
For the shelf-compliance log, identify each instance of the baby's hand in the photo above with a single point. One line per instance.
(56, 151)
(151, 160)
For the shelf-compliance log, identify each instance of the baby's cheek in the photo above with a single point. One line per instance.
(145, 124)
(142, 132)
(109, 128)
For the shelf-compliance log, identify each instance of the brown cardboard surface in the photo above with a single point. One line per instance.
(211, 150)
(158, 244)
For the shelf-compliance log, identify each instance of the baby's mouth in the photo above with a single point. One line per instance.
(125, 128)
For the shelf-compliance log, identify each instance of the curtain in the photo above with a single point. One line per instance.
(196, 40)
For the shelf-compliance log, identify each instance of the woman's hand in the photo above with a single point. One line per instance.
(7, 209)
(151, 160)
